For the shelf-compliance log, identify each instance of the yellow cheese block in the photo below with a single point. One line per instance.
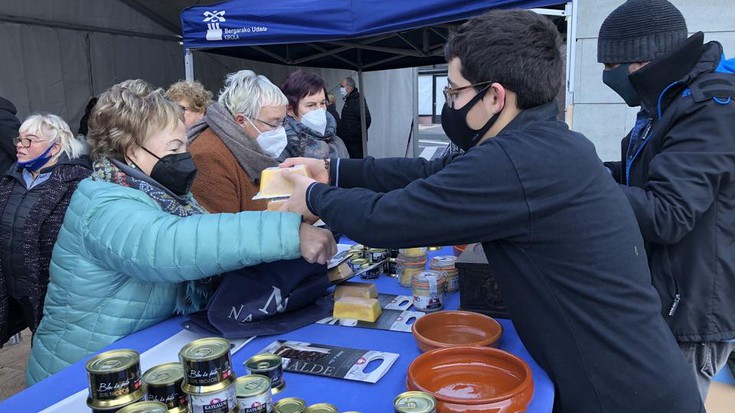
(340, 272)
(355, 289)
(356, 308)
(272, 183)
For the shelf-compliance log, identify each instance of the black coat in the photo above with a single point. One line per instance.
(563, 244)
(681, 184)
(349, 127)
(9, 125)
(31, 220)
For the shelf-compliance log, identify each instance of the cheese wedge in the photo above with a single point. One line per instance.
(355, 289)
(340, 272)
(272, 183)
(356, 308)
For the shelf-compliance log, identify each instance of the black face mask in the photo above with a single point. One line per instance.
(617, 79)
(176, 172)
(454, 123)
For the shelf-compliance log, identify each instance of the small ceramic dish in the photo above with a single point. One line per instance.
(456, 328)
(472, 380)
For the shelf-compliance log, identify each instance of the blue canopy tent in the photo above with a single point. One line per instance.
(360, 35)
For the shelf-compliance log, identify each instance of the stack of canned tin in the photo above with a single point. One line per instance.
(209, 381)
(114, 381)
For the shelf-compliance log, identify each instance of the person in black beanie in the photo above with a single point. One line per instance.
(678, 170)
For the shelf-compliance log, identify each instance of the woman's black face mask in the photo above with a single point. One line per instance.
(175, 171)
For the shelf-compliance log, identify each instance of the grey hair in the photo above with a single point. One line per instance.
(246, 92)
(350, 82)
(54, 128)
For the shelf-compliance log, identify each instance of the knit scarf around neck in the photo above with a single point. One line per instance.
(190, 295)
(246, 150)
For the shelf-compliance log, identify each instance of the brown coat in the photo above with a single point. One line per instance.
(221, 185)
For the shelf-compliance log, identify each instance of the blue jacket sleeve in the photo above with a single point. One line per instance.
(685, 176)
(133, 235)
(476, 197)
(383, 175)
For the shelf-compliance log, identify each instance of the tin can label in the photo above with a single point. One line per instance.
(206, 361)
(218, 402)
(256, 404)
(114, 374)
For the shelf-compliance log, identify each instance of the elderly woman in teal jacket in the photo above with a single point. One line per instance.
(135, 247)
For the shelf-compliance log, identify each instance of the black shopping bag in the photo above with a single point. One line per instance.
(266, 299)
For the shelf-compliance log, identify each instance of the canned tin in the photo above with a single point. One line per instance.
(269, 365)
(414, 402)
(254, 394)
(322, 408)
(164, 385)
(357, 263)
(115, 408)
(114, 379)
(220, 401)
(376, 254)
(391, 267)
(428, 290)
(290, 405)
(207, 365)
(359, 251)
(145, 407)
(372, 273)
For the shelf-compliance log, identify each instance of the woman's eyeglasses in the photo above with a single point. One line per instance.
(27, 142)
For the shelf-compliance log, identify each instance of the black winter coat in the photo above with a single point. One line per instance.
(9, 125)
(681, 183)
(349, 127)
(563, 244)
(29, 250)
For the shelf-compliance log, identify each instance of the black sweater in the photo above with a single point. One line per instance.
(563, 243)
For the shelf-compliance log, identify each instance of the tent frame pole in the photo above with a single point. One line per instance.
(189, 65)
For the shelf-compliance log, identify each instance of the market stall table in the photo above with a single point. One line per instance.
(345, 394)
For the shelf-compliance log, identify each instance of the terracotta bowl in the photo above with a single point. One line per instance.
(456, 328)
(472, 380)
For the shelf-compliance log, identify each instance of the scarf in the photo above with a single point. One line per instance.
(306, 142)
(245, 149)
(190, 295)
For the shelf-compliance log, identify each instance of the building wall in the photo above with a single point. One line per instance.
(599, 112)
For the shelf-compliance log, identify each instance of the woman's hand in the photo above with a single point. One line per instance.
(316, 167)
(317, 244)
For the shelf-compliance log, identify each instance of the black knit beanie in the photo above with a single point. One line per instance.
(641, 31)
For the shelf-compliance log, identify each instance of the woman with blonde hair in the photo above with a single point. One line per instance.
(136, 247)
(34, 195)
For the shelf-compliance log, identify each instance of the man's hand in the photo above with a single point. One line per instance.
(317, 244)
(297, 201)
(316, 167)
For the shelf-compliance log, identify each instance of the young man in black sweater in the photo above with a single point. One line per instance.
(562, 240)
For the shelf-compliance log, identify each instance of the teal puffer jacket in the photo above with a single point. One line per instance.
(118, 260)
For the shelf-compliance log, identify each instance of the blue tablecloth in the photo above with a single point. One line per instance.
(345, 394)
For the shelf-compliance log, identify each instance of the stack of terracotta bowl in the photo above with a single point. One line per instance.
(461, 371)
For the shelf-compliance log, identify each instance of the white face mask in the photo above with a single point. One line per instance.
(315, 120)
(273, 142)
(343, 91)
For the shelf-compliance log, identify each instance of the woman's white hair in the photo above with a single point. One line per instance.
(246, 92)
(52, 127)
